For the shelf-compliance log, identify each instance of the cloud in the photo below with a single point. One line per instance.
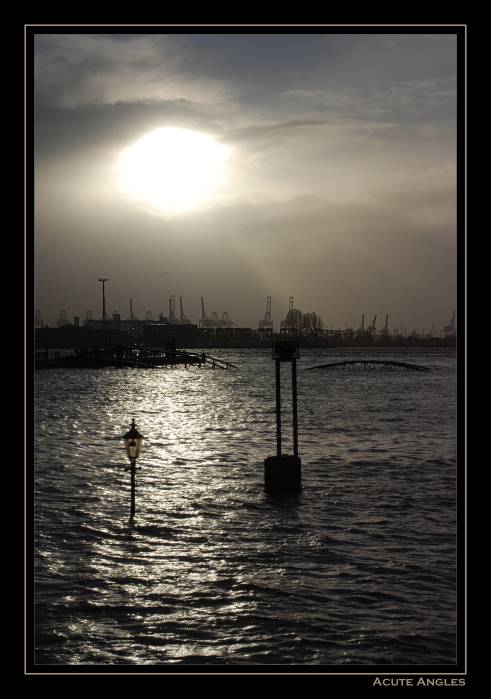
(340, 187)
(77, 70)
(103, 126)
(401, 99)
(268, 130)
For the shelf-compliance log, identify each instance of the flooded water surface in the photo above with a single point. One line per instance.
(357, 569)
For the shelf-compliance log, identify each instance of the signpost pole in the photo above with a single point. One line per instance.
(294, 401)
(283, 472)
(278, 408)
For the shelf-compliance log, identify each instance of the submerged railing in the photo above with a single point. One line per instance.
(366, 363)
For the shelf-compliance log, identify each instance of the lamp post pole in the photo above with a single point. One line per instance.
(278, 408)
(132, 442)
(103, 280)
(133, 472)
(294, 401)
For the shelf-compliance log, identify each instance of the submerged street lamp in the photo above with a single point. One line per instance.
(132, 442)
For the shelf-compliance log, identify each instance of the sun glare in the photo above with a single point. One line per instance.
(173, 170)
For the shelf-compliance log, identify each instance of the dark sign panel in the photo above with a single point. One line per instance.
(285, 350)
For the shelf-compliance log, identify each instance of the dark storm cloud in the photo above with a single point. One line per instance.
(261, 64)
(62, 130)
(82, 69)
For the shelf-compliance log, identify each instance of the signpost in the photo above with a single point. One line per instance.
(283, 473)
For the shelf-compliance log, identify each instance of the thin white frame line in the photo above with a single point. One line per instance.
(464, 672)
(245, 25)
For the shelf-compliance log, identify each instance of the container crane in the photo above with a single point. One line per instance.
(226, 321)
(449, 329)
(38, 321)
(203, 319)
(385, 329)
(172, 310)
(371, 328)
(287, 324)
(266, 323)
(132, 315)
(62, 320)
(206, 322)
(292, 322)
(183, 319)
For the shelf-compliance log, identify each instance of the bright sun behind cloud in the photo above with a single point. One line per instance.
(173, 170)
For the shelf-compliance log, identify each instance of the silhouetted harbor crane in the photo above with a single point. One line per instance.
(204, 321)
(132, 315)
(372, 327)
(226, 321)
(183, 319)
(62, 320)
(38, 321)
(449, 329)
(172, 310)
(291, 324)
(385, 329)
(266, 323)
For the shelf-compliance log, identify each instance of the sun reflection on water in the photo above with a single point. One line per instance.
(214, 570)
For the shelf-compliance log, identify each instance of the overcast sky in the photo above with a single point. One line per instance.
(339, 189)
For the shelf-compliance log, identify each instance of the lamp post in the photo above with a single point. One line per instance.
(103, 280)
(132, 442)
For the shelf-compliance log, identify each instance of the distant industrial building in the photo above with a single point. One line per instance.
(216, 331)
(134, 327)
(159, 334)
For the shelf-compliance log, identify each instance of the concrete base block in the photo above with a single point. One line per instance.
(283, 474)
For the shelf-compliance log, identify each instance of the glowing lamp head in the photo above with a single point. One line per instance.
(132, 442)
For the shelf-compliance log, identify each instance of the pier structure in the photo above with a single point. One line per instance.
(121, 357)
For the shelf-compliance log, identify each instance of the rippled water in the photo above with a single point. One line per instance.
(358, 569)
